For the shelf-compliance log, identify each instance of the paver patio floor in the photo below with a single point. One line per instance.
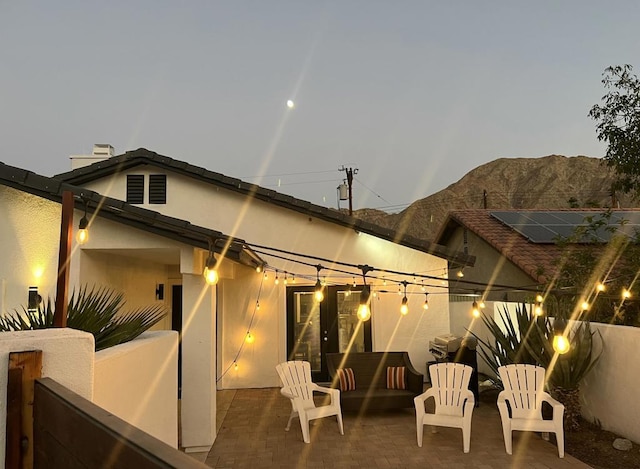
(252, 435)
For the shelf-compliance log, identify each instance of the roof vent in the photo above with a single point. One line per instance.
(101, 152)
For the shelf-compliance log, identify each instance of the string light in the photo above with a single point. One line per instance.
(277, 280)
(537, 309)
(259, 268)
(210, 273)
(425, 306)
(460, 273)
(83, 233)
(539, 298)
(404, 306)
(560, 342)
(585, 305)
(318, 294)
(364, 309)
(250, 338)
(285, 279)
(626, 294)
(475, 311)
(600, 287)
(235, 366)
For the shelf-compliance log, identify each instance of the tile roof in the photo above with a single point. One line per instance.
(536, 260)
(143, 156)
(121, 212)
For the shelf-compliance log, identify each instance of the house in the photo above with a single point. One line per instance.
(178, 216)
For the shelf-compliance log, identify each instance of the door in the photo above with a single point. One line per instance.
(176, 325)
(315, 329)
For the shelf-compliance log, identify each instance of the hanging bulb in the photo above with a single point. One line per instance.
(257, 305)
(600, 287)
(537, 309)
(626, 293)
(277, 280)
(318, 294)
(399, 290)
(425, 306)
(404, 307)
(266, 276)
(585, 305)
(424, 289)
(482, 305)
(539, 298)
(83, 233)
(384, 281)
(460, 273)
(364, 309)
(285, 279)
(354, 283)
(210, 273)
(250, 338)
(258, 268)
(560, 342)
(235, 366)
(293, 279)
(475, 311)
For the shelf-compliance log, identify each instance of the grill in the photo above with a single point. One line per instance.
(443, 345)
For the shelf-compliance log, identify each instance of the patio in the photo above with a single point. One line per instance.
(251, 434)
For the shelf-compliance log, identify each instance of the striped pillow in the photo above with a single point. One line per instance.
(396, 377)
(347, 379)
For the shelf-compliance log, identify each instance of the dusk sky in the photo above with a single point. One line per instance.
(414, 94)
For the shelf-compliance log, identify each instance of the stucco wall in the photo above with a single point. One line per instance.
(29, 231)
(67, 357)
(138, 382)
(610, 392)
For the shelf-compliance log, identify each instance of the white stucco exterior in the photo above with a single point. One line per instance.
(138, 382)
(610, 392)
(67, 357)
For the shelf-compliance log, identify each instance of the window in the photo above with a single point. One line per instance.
(158, 189)
(135, 188)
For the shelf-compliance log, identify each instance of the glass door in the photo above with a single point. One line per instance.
(315, 329)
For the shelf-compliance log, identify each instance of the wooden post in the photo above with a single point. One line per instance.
(64, 257)
(24, 368)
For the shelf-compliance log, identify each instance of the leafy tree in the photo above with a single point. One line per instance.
(618, 124)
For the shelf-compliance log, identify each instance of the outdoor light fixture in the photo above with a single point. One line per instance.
(364, 310)
(539, 298)
(404, 306)
(626, 293)
(460, 273)
(600, 287)
(425, 306)
(318, 294)
(210, 273)
(560, 342)
(250, 338)
(537, 309)
(83, 233)
(475, 310)
(585, 305)
(277, 280)
(259, 268)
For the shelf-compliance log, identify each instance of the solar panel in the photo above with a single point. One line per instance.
(545, 227)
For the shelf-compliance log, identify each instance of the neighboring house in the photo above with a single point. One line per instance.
(296, 242)
(516, 253)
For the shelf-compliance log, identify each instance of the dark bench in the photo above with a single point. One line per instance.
(370, 370)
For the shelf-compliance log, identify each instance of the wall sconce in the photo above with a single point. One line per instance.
(34, 299)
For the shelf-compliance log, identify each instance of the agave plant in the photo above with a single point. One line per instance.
(530, 340)
(98, 311)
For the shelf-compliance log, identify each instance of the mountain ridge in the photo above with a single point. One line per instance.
(548, 182)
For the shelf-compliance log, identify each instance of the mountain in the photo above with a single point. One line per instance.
(550, 182)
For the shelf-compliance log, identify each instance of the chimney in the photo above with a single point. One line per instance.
(101, 152)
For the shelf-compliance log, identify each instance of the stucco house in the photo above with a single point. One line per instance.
(160, 219)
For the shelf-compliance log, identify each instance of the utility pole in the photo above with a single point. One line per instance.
(350, 173)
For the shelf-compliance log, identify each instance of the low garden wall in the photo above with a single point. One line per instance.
(138, 382)
(610, 392)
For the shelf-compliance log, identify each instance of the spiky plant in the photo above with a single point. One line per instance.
(97, 311)
(530, 340)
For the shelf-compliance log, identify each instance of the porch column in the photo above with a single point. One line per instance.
(198, 407)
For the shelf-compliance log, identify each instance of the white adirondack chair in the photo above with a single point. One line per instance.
(298, 387)
(454, 402)
(524, 391)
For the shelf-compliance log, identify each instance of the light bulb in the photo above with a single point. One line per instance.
(258, 268)
(460, 274)
(626, 294)
(235, 366)
(425, 306)
(585, 306)
(250, 338)
(539, 298)
(318, 293)
(561, 344)
(83, 233)
(482, 305)
(404, 307)
(364, 312)
(210, 273)
(475, 311)
(537, 309)
(257, 305)
(277, 280)
(600, 287)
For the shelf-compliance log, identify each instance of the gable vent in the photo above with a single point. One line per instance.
(158, 189)
(135, 188)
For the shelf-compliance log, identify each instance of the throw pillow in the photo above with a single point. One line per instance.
(396, 377)
(347, 379)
